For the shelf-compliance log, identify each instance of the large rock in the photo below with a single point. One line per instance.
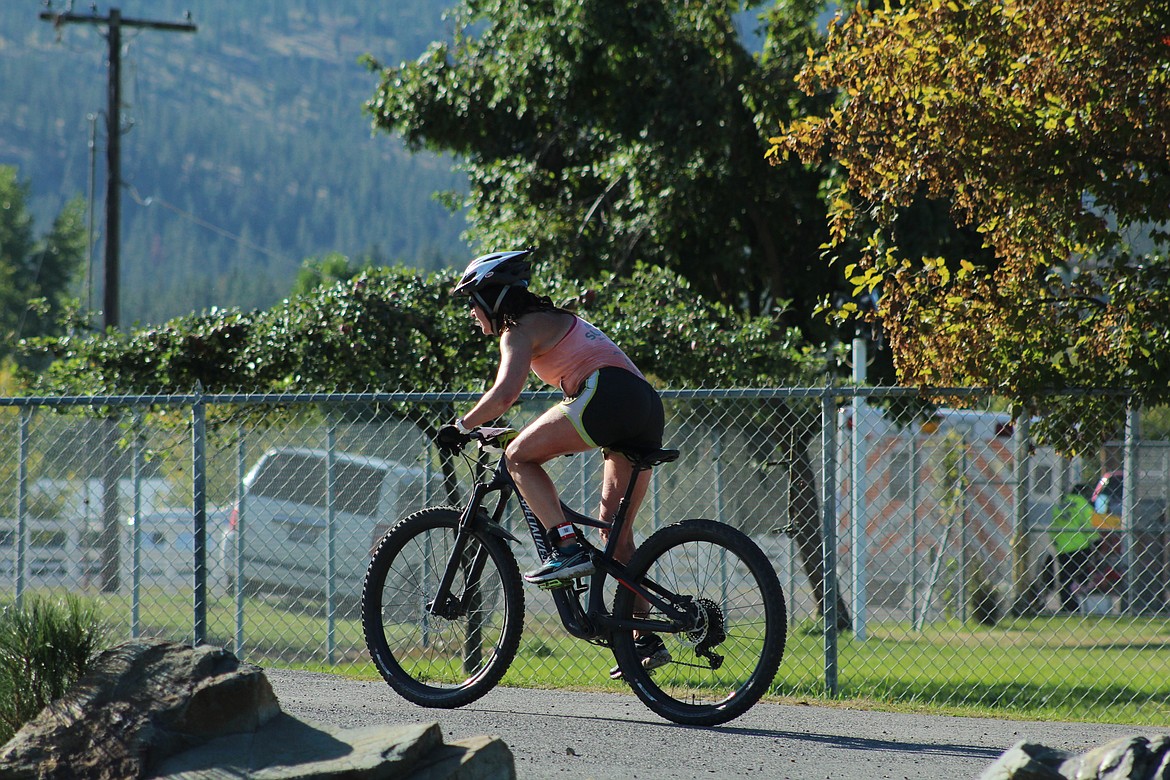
(1128, 758)
(159, 709)
(286, 749)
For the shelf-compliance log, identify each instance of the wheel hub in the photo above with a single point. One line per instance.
(450, 608)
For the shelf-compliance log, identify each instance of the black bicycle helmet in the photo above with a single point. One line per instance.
(496, 272)
(497, 269)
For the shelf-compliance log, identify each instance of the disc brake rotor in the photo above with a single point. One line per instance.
(709, 631)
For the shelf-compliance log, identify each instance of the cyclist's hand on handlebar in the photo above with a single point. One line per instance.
(449, 439)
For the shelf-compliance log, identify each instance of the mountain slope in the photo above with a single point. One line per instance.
(244, 149)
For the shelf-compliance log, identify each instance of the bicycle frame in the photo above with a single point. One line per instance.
(593, 623)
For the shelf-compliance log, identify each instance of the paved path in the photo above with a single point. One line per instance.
(562, 734)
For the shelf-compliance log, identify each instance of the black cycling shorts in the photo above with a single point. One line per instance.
(617, 409)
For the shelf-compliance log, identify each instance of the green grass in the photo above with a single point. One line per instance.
(1093, 669)
(1100, 669)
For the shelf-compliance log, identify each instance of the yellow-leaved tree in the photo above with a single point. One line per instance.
(1045, 126)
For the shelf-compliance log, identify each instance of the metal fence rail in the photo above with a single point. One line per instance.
(917, 557)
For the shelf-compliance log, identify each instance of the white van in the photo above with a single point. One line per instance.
(285, 519)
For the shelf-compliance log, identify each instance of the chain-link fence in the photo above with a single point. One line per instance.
(976, 578)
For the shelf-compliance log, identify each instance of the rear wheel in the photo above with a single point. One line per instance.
(454, 659)
(727, 660)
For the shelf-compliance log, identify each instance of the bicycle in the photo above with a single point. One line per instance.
(443, 602)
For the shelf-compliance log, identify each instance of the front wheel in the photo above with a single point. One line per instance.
(728, 657)
(450, 654)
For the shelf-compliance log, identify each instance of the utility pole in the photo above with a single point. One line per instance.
(112, 468)
(114, 22)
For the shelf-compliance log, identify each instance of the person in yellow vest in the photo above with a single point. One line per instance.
(1073, 536)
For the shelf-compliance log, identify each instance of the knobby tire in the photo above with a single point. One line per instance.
(432, 661)
(745, 623)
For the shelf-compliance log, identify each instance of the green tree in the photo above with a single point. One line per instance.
(327, 269)
(35, 274)
(1043, 125)
(610, 132)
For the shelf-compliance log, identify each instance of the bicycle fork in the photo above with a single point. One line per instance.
(445, 604)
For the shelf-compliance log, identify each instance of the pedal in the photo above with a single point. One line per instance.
(578, 584)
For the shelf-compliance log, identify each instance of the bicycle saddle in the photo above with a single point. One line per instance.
(648, 459)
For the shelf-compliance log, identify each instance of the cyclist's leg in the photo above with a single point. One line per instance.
(627, 412)
(550, 435)
(615, 477)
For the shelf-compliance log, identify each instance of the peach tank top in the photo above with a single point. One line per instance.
(580, 352)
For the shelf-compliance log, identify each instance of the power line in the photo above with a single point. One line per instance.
(150, 200)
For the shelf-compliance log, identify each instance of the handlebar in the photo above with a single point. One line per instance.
(493, 440)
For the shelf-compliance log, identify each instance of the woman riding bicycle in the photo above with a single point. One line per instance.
(607, 403)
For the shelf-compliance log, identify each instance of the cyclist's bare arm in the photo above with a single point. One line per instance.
(515, 363)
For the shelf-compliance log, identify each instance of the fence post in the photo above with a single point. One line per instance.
(858, 512)
(655, 501)
(428, 477)
(914, 500)
(582, 462)
(1019, 539)
(136, 531)
(20, 564)
(829, 536)
(241, 524)
(199, 504)
(330, 543)
(1128, 505)
(720, 509)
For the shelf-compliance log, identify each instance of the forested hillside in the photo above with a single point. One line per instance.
(245, 149)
